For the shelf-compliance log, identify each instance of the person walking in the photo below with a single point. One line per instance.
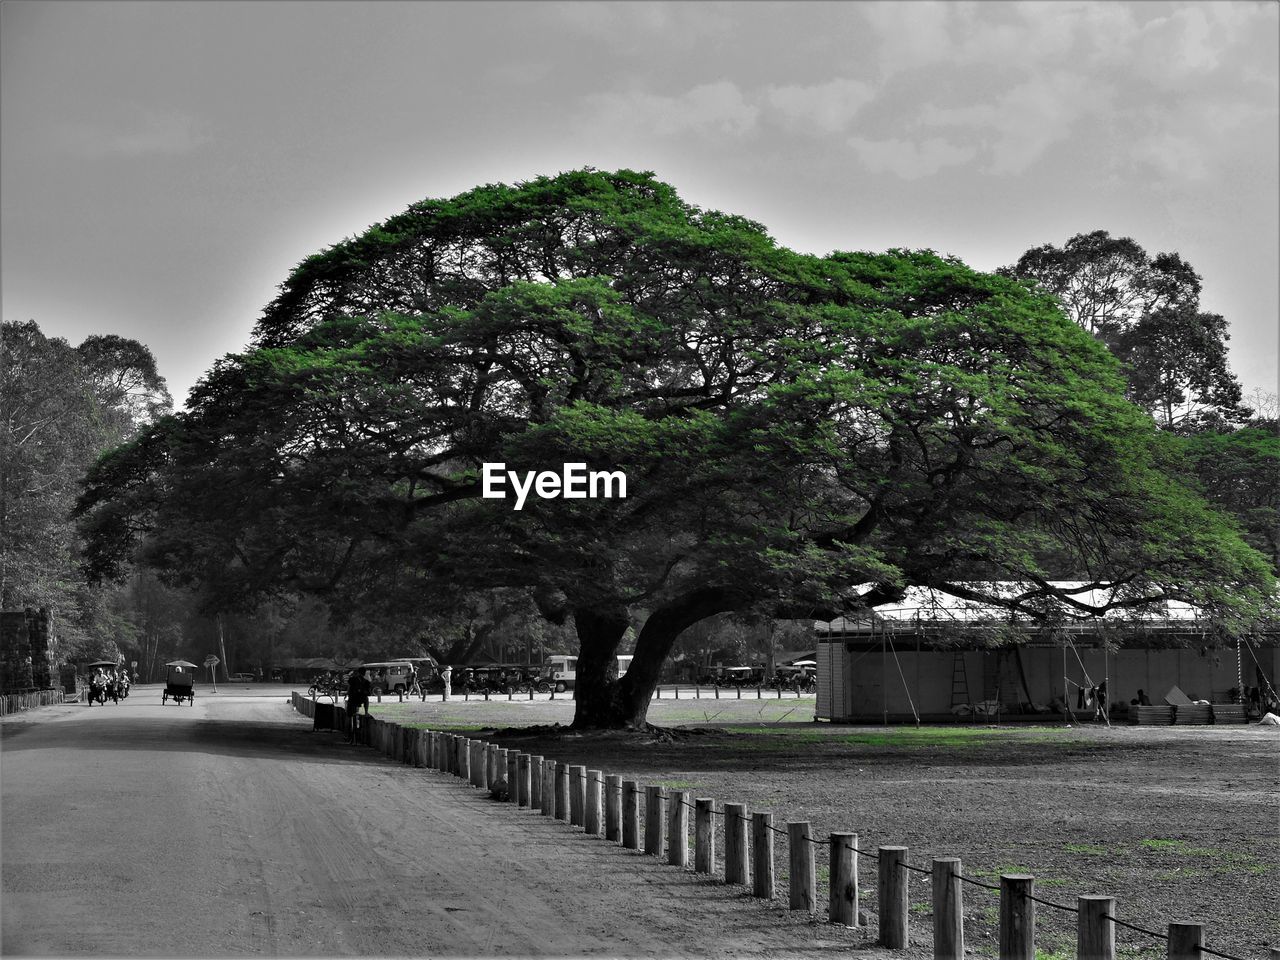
(357, 697)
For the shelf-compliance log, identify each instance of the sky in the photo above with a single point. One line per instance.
(164, 166)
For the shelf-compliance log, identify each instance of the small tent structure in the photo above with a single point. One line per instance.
(934, 657)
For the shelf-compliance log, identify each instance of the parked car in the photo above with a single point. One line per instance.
(243, 678)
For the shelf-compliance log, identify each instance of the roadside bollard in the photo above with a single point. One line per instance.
(802, 878)
(613, 807)
(630, 815)
(704, 839)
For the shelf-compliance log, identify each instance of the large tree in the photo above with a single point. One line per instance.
(1146, 309)
(801, 436)
(60, 407)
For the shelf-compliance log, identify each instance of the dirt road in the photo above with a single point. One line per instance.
(228, 828)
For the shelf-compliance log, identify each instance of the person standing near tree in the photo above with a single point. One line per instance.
(357, 697)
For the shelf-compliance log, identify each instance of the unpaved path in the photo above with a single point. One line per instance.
(228, 828)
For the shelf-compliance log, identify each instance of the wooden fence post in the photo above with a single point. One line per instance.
(704, 838)
(802, 877)
(578, 796)
(1095, 933)
(513, 776)
(464, 758)
(522, 779)
(655, 820)
(493, 764)
(613, 807)
(948, 910)
(1186, 939)
(1017, 917)
(535, 782)
(678, 829)
(631, 814)
(548, 787)
(562, 791)
(595, 787)
(894, 932)
(479, 765)
(843, 901)
(762, 866)
(735, 843)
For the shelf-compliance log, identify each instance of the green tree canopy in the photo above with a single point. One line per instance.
(802, 436)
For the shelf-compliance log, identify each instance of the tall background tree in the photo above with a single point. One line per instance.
(1146, 309)
(60, 407)
(802, 436)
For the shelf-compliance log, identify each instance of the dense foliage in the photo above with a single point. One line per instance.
(802, 436)
(60, 408)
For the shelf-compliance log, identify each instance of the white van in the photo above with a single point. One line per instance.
(392, 676)
(562, 671)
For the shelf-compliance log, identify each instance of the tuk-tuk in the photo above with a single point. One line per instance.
(180, 682)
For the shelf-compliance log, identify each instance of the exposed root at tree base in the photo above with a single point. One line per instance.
(648, 733)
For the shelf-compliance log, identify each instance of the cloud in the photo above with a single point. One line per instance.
(910, 159)
(713, 108)
(1020, 125)
(828, 106)
(143, 132)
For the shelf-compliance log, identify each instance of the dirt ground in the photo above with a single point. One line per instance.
(266, 838)
(1178, 823)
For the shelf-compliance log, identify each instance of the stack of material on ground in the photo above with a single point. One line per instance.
(1159, 715)
(1229, 713)
(1193, 713)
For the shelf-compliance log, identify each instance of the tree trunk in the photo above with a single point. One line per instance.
(596, 692)
(624, 704)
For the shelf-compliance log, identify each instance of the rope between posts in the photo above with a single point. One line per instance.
(1225, 956)
(907, 866)
(977, 883)
(1056, 906)
(1150, 933)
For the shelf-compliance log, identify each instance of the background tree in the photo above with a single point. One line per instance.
(1147, 311)
(802, 436)
(60, 407)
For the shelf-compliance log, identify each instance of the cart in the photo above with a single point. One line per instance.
(180, 682)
